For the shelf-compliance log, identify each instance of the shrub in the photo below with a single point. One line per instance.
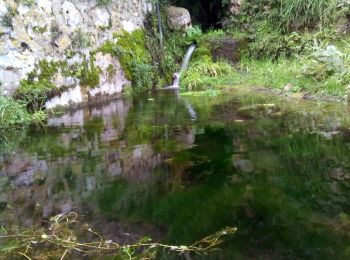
(324, 62)
(201, 73)
(38, 86)
(12, 112)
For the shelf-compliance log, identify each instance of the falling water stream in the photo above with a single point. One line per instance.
(177, 75)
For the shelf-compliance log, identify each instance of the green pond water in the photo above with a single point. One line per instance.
(179, 168)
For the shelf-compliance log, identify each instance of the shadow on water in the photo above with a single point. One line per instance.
(277, 170)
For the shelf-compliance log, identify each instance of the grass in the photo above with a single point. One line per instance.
(300, 13)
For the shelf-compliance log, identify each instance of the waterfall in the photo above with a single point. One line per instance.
(177, 75)
(187, 58)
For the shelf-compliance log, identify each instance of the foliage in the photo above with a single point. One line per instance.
(302, 13)
(104, 2)
(61, 239)
(88, 73)
(55, 31)
(330, 66)
(6, 19)
(201, 73)
(288, 15)
(12, 112)
(28, 3)
(80, 39)
(324, 62)
(135, 59)
(37, 87)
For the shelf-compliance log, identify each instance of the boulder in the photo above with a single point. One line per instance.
(178, 18)
(227, 48)
(235, 7)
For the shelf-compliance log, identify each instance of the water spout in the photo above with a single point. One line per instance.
(177, 75)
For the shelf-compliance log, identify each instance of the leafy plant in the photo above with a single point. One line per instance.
(200, 74)
(324, 62)
(12, 112)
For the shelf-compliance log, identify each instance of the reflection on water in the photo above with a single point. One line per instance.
(190, 166)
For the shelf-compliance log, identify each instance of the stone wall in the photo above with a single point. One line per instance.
(47, 30)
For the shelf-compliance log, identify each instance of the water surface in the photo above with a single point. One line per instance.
(181, 167)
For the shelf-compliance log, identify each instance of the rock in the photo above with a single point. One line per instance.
(178, 18)
(227, 48)
(244, 165)
(14, 66)
(112, 78)
(45, 5)
(128, 26)
(70, 97)
(44, 31)
(71, 14)
(235, 6)
(288, 87)
(102, 18)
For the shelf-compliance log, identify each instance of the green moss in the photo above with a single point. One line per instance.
(89, 74)
(201, 52)
(35, 90)
(135, 59)
(39, 29)
(80, 39)
(28, 3)
(110, 72)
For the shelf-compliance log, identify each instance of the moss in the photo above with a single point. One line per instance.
(28, 3)
(37, 87)
(39, 29)
(80, 39)
(89, 74)
(200, 53)
(110, 72)
(135, 59)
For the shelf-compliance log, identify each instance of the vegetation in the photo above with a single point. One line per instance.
(28, 3)
(88, 74)
(80, 39)
(135, 58)
(6, 19)
(288, 43)
(61, 239)
(104, 2)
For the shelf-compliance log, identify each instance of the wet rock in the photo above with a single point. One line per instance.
(258, 110)
(339, 174)
(244, 165)
(178, 18)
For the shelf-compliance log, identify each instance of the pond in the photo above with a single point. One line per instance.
(180, 167)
